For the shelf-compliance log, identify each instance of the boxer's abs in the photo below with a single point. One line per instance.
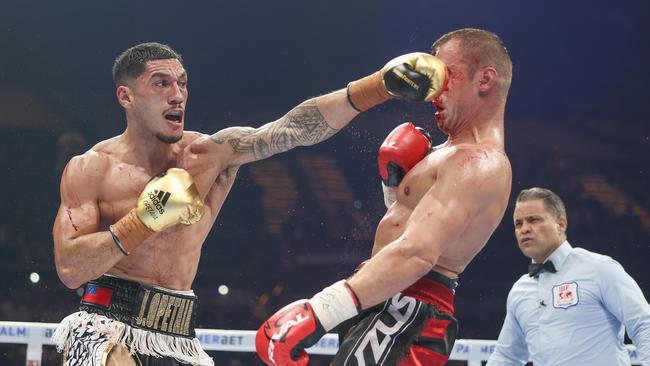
(169, 259)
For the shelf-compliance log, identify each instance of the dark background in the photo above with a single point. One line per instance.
(575, 123)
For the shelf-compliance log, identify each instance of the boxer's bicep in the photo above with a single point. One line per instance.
(302, 126)
(81, 251)
(233, 146)
(78, 213)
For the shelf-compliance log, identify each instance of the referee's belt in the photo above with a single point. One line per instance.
(141, 306)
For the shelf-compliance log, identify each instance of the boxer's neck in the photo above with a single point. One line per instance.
(148, 151)
(488, 133)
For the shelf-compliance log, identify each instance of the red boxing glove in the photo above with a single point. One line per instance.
(404, 147)
(282, 339)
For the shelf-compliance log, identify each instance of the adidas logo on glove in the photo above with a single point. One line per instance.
(158, 199)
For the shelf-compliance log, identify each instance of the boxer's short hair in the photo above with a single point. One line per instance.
(131, 63)
(481, 48)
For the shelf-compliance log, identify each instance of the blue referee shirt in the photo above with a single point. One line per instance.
(576, 316)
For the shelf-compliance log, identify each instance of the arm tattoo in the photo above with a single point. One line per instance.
(302, 126)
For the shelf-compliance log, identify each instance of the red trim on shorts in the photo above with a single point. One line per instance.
(433, 292)
(435, 328)
(419, 356)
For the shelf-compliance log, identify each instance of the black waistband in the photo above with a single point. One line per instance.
(444, 280)
(141, 306)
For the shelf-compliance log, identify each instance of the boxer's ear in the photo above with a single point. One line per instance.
(487, 78)
(124, 96)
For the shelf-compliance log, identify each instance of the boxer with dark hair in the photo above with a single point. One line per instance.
(134, 242)
(444, 203)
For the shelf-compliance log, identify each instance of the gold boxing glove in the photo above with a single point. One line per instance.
(168, 199)
(415, 77)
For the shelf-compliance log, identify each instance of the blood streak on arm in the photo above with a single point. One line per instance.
(75, 227)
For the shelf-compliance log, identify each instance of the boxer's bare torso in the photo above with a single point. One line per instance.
(449, 204)
(490, 163)
(111, 179)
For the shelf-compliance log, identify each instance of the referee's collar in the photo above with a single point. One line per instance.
(559, 255)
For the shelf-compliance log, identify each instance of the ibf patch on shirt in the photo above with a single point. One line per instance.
(565, 295)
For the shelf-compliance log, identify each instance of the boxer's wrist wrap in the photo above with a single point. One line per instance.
(390, 194)
(335, 304)
(367, 92)
(117, 241)
(130, 231)
(347, 92)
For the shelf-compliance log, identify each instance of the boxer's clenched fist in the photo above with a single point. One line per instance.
(168, 199)
(282, 339)
(414, 77)
(404, 147)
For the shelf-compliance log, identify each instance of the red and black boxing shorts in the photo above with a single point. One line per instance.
(415, 327)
